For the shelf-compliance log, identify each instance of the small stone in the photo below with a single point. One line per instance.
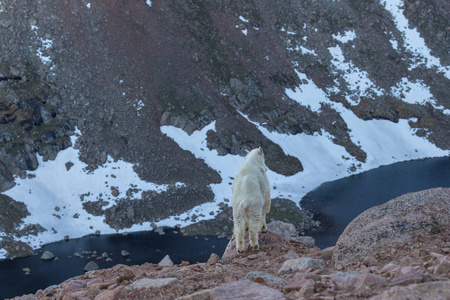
(213, 259)
(307, 290)
(124, 253)
(112, 294)
(301, 264)
(66, 238)
(291, 255)
(443, 267)
(200, 295)
(97, 232)
(47, 255)
(370, 261)
(266, 278)
(130, 213)
(91, 266)
(147, 283)
(166, 262)
(245, 289)
(308, 241)
(296, 284)
(105, 255)
(114, 191)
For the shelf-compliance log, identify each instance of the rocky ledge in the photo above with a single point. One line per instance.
(413, 263)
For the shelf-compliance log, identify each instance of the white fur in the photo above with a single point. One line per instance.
(251, 199)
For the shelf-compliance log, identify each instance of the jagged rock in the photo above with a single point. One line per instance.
(357, 280)
(148, 283)
(91, 266)
(112, 294)
(396, 221)
(213, 259)
(200, 295)
(308, 241)
(284, 229)
(267, 279)
(47, 255)
(245, 289)
(301, 264)
(297, 284)
(166, 262)
(443, 267)
(428, 290)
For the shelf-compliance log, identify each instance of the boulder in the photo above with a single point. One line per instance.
(245, 289)
(379, 227)
(91, 266)
(428, 290)
(148, 283)
(166, 262)
(301, 264)
(47, 255)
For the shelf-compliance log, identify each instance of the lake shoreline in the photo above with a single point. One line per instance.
(336, 203)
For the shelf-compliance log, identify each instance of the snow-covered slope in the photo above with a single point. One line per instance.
(57, 193)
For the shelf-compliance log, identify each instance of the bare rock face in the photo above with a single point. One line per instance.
(396, 221)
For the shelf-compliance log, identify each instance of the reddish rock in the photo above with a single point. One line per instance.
(396, 221)
(269, 242)
(148, 283)
(267, 279)
(296, 284)
(327, 253)
(113, 294)
(357, 280)
(213, 259)
(301, 264)
(200, 295)
(245, 289)
(438, 290)
(443, 268)
(291, 255)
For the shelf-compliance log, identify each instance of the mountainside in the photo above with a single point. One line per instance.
(410, 263)
(115, 114)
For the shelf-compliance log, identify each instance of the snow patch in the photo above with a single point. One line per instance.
(414, 93)
(307, 94)
(413, 42)
(55, 196)
(345, 37)
(41, 51)
(148, 2)
(357, 80)
(243, 19)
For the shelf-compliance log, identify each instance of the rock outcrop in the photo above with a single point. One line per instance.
(417, 267)
(398, 220)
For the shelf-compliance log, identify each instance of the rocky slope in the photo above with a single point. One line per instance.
(118, 71)
(414, 265)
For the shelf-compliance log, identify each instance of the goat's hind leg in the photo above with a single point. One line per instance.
(239, 233)
(254, 228)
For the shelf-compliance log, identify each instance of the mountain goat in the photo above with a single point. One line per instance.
(251, 199)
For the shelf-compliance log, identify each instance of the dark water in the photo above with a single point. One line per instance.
(337, 203)
(143, 247)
